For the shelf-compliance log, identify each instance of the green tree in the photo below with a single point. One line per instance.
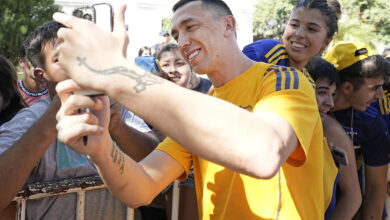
(372, 17)
(166, 24)
(361, 20)
(18, 18)
(270, 18)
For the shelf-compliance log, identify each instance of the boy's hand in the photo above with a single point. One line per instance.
(72, 125)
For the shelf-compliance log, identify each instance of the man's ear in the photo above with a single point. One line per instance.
(230, 25)
(21, 63)
(346, 88)
(39, 74)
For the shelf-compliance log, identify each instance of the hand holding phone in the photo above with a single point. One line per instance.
(102, 15)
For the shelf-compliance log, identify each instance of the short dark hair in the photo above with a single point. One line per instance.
(37, 39)
(218, 6)
(335, 5)
(142, 49)
(372, 66)
(319, 68)
(9, 90)
(22, 50)
(167, 48)
(327, 12)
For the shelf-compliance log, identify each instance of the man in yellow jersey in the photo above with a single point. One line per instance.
(256, 143)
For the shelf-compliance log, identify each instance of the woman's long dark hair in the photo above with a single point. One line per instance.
(12, 100)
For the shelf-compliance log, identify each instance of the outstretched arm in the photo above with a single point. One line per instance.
(181, 114)
(133, 183)
(17, 162)
(125, 81)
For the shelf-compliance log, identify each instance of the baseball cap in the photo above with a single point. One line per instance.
(347, 53)
(163, 32)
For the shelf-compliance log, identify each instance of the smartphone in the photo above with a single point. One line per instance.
(339, 155)
(102, 15)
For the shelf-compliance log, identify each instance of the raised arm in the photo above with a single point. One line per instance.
(133, 183)
(17, 162)
(178, 109)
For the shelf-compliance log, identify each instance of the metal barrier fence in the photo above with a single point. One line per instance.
(83, 184)
(76, 185)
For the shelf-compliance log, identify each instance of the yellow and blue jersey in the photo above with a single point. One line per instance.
(268, 51)
(384, 103)
(305, 182)
(271, 51)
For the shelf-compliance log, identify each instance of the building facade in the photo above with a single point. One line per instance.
(144, 19)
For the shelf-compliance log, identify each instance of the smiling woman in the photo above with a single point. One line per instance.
(176, 69)
(308, 32)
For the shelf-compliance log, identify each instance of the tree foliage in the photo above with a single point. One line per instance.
(166, 24)
(270, 17)
(362, 20)
(371, 16)
(18, 18)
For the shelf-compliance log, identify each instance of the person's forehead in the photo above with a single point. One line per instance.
(50, 47)
(324, 81)
(172, 54)
(313, 14)
(373, 81)
(191, 10)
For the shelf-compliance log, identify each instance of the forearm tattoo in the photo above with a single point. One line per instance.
(142, 80)
(118, 157)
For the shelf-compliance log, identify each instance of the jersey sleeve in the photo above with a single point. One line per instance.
(268, 51)
(384, 104)
(180, 154)
(288, 93)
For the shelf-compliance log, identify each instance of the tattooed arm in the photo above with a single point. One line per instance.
(137, 184)
(202, 124)
(133, 183)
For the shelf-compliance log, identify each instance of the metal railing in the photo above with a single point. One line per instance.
(80, 186)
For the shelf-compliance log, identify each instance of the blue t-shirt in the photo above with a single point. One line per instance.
(369, 134)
